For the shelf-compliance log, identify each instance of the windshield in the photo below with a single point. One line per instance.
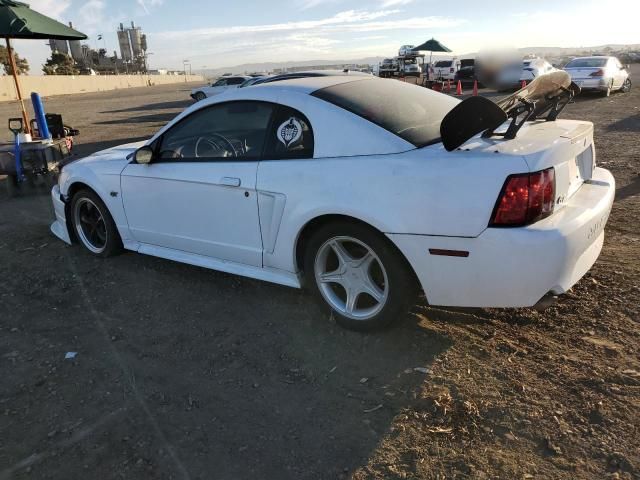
(413, 113)
(587, 63)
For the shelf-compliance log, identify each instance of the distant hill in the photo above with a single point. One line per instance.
(543, 51)
(270, 66)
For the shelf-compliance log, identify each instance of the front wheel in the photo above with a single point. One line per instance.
(358, 273)
(626, 86)
(93, 225)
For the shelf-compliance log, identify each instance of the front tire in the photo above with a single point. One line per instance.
(626, 86)
(93, 225)
(357, 272)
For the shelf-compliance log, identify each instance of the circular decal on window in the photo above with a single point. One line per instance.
(290, 132)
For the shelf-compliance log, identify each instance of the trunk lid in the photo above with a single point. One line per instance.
(582, 73)
(565, 145)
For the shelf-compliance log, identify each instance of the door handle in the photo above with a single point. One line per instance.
(230, 181)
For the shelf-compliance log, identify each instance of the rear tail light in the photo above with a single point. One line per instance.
(525, 198)
(451, 70)
(597, 73)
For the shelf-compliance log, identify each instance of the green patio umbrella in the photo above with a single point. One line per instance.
(432, 45)
(17, 20)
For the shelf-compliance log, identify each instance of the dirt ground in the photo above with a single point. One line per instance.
(185, 373)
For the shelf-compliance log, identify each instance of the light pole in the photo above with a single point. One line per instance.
(184, 68)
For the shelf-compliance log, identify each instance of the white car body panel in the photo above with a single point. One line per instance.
(420, 198)
(184, 215)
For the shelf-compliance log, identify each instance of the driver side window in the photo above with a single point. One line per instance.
(225, 131)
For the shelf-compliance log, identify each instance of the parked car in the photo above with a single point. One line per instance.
(603, 74)
(222, 84)
(467, 72)
(512, 75)
(342, 184)
(406, 51)
(445, 69)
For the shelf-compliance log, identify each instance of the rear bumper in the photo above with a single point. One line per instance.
(600, 84)
(516, 267)
(59, 226)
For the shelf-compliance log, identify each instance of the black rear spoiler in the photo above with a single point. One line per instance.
(546, 96)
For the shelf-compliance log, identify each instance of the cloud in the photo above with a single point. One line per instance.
(395, 3)
(329, 37)
(350, 20)
(307, 4)
(146, 5)
(51, 8)
(91, 16)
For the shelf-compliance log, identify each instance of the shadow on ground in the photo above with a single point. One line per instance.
(151, 118)
(180, 104)
(629, 124)
(183, 371)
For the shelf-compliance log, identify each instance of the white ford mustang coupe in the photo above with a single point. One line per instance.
(361, 189)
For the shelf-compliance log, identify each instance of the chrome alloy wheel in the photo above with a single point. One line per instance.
(351, 278)
(90, 225)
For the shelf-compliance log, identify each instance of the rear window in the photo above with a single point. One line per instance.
(587, 63)
(443, 63)
(411, 112)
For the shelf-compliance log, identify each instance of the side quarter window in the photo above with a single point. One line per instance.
(290, 137)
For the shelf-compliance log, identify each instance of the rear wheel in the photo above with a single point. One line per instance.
(359, 275)
(93, 225)
(607, 92)
(200, 96)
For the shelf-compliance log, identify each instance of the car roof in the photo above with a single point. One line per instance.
(311, 84)
(593, 56)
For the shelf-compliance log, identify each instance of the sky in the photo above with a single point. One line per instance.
(215, 33)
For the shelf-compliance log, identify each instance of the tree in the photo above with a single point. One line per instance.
(21, 63)
(60, 64)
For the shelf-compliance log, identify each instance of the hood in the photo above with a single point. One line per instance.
(114, 153)
(112, 157)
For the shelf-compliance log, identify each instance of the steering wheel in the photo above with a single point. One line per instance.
(214, 145)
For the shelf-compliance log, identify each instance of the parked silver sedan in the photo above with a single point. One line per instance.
(604, 74)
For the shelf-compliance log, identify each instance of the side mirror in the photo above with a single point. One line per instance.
(143, 155)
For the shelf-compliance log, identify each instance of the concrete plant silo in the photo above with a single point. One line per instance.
(60, 46)
(125, 44)
(76, 48)
(135, 34)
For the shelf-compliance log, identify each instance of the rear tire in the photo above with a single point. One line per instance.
(358, 273)
(200, 96)
(607, 92)
(93, 225)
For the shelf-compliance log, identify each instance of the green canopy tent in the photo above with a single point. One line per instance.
(432, 45)
(17, 20)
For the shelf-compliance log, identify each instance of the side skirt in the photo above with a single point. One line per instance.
(266, 274)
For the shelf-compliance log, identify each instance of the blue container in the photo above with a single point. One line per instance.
(38, 109)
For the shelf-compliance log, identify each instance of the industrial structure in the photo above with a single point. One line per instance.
(133, 47)
(133, 53)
